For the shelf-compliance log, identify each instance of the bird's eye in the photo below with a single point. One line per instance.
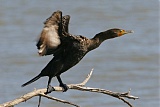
(121, 30)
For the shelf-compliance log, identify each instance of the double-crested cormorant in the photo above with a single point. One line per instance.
(67, 49)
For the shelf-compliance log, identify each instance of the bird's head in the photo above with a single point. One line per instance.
(112, 33)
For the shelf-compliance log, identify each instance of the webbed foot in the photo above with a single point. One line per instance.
(49, 89)
(64, 86)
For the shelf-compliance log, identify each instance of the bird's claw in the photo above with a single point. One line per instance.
(49, 89)
(64, 86)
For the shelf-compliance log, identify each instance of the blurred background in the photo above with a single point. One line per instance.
(131, 61)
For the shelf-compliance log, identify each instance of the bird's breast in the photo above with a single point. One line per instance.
(76, 52)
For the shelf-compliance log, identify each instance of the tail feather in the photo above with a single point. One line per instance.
(32, 80)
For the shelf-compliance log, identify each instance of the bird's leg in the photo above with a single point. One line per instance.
(49, 87)
(61, 84)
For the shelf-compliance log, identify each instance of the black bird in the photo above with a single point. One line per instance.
(66, 48)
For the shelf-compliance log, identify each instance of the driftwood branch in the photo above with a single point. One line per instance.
(80, 87)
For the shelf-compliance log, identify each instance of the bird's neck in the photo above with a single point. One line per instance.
(95, 41)
(98, 39)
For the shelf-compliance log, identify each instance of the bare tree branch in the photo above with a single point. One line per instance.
(80, 87)
(58, 100)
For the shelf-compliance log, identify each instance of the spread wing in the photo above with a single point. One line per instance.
(65, 24)
(50, 37)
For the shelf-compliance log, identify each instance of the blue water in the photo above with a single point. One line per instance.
(131, 61)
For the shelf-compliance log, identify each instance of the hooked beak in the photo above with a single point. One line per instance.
(122, 32)
(128, 31)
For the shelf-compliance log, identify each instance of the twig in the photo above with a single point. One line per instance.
(120, 96)
(39, 102)
(59, 100)
(80, 87)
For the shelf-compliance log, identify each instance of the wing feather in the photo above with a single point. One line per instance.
(50, 38)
